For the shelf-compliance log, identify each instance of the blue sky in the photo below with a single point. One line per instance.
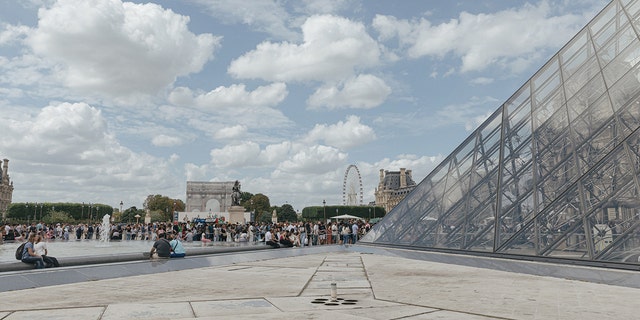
(106, 101)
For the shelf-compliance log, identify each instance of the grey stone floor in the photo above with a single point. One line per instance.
(296, 284)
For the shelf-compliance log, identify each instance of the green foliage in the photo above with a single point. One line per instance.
(129, 215)
(79, 212)
(163, 203)
(58, 217)
(286, 213)
(258, 203)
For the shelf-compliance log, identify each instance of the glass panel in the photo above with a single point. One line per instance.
(548, 112)
(549, 71)
(549, 88)
(582, 76)
(620, 21)
(629, 117)
(514, 219)
(591, 120)
(480, 236)
(604, 180)
(586, 97)
(603, 18)
(624, 228)
(519, 98)
(625, 89)
(556, 221)
(617, 45)
(633, 7)
(622, 63)
(573, 57)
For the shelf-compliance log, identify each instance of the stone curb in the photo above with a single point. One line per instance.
(127, 257)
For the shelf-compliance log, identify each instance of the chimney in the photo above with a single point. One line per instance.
(403, 178)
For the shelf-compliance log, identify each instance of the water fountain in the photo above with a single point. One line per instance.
(105, 229)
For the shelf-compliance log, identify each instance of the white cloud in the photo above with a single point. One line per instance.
(343, 135)
(481, 81)
(118, 48)
(70, 145)
(361, 92)
(261, 15)
(479, 40)
(312, 160)
(225, 107)
(10, 33)
(237, 155)
(333, 48)
(195, 172)
(163, 140)
(236, 96)
(230, 132)
(325, 6)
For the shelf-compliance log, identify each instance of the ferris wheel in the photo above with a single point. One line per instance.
(352, 187)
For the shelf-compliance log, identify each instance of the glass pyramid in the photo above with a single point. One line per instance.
(554, 172)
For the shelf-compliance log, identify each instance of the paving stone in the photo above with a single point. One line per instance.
(147, 311)
(57, 314)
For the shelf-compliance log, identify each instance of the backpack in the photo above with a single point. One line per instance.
(19, 251)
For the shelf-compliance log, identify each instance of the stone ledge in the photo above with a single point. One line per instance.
(127, 257)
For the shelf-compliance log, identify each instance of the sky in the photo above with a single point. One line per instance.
(106, 101)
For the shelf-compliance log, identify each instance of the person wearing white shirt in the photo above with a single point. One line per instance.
(40, 248)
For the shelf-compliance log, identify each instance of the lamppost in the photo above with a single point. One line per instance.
(82, 213)
(369, 213)
(35, 212)
(324, 210)
(253, 210)
(120, 207)
(174, 211)
(41, 205)
(26, 208)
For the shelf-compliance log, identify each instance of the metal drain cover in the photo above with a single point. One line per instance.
(337, 302)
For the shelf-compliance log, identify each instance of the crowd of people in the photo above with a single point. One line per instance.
(300, 233)
(282, 234)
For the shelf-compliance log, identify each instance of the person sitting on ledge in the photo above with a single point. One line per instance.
(284, 239)
(268, 240)
(177, 250)
(161, 248)
(29, 254)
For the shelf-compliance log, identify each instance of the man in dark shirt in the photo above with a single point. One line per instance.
(161, 247)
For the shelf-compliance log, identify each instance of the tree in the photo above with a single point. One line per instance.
(129, 215)
(58, 217)
(260, 204)
(286, 213)
(163, 206)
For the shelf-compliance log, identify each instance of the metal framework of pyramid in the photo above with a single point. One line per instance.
(554, 172)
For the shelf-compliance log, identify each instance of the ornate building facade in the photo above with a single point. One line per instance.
(6, 188)
(209, 197)
(393, 187)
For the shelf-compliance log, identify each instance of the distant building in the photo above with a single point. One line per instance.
(393, 187)
(6, 189)
(209, 198)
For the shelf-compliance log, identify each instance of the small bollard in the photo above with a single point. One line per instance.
(334, 292)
